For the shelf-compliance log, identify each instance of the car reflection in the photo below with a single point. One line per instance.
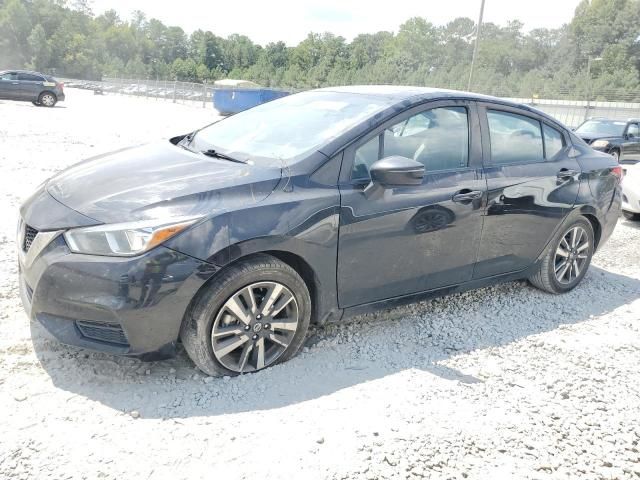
(431, 218)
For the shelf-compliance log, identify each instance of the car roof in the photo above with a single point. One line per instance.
(400, 93)
(17, 70)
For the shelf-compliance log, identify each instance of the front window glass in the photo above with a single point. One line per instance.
(8, 76)
(602, 128)
(289, 127)
(437, 138)
(634, 130)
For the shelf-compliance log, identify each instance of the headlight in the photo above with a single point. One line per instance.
(125, 239)
(600, 144)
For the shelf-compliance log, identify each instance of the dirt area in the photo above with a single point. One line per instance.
(503, 382)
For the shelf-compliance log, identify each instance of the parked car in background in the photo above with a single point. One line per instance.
(313, 207)
(631, 191)
(38, 88)
(618, 138)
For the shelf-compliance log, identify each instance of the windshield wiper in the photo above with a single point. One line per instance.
(216, 154)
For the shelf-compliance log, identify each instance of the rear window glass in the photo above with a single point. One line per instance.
(29, 77)
(514, 138)
(553, 142)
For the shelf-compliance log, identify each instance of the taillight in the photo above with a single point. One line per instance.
(617, 171)
(61, 86)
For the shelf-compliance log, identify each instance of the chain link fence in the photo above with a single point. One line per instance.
(570, 107)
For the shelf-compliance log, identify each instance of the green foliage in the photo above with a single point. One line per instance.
(65, 37)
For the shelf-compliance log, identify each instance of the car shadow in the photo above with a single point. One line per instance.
(338, 356)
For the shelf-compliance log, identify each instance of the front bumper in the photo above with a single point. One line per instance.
(127, 306)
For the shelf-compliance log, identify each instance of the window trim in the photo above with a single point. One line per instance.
(484, 107)
(473, 125)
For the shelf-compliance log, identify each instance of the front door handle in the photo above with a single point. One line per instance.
(467, 196)
(566, 173)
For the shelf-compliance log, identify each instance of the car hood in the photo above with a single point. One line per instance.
(158, 180)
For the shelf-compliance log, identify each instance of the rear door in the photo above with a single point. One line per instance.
(418, 238)
(532, 183)
(9, 85)
(31, 86)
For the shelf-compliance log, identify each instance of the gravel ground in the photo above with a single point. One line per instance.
(503, 382)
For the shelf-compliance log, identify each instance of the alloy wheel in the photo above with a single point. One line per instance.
(572, 255)
(254, 327)
(48, 100)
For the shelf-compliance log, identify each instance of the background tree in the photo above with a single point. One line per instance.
(65, 37)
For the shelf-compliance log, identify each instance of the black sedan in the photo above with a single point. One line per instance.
(310, 208)
(38, 88)
(618, 138)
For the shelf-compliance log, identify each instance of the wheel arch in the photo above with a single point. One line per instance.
(597, 228)
(295, 261)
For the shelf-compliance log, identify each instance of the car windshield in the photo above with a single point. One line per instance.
(601, 127)
(289, 127)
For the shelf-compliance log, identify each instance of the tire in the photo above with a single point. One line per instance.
(631, 216)
(548, 277)
(47, 99)
(211, 328)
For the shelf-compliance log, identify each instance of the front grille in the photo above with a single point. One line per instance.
(29, 235)
(103, 332)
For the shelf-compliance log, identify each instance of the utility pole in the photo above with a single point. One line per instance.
(475, 48)
(590, 60)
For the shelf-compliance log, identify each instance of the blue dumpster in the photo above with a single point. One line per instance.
(233, 100)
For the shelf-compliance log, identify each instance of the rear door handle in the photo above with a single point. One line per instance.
(566, 173)
(467, 196)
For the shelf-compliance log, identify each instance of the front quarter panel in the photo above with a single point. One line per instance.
(301, 218)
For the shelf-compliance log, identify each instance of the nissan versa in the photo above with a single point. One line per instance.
(313, 207)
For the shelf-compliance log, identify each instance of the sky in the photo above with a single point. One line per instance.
(291, 20)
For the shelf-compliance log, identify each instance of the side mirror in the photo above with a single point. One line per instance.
(394, 171)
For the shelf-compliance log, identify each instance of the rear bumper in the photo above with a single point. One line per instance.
(125, 306)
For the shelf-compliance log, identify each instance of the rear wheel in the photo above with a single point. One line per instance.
(254, 315)
(567, 259)
(631, 215)
(47, 99)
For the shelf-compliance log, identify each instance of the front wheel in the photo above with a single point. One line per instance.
(254, 315)
(567, 259)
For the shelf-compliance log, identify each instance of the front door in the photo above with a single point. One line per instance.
(418, 238)
(533, 183)
(631, 143)
(30, 86)
(9, 85)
